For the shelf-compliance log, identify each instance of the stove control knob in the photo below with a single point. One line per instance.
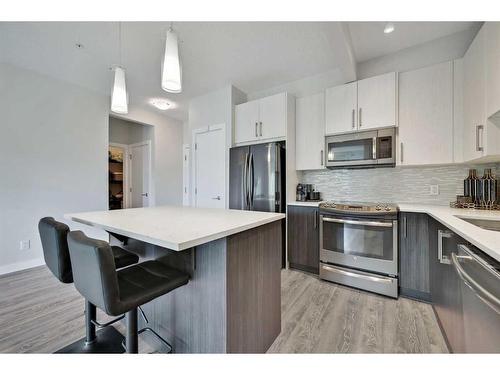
(387, 208)
(378, 207)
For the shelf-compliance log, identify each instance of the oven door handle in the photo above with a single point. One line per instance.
(356, 222)
(357, 275)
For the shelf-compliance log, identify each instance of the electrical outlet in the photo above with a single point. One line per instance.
(434, 190)
(24, 245)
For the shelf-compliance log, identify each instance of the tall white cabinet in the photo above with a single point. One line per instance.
(310, 132)
(426, 115)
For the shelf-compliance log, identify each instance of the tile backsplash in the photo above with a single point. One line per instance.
(400, 184)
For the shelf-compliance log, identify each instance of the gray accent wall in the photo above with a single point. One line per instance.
(400, 184)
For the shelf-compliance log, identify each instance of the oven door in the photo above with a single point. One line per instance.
(364, 243)
(351, 149)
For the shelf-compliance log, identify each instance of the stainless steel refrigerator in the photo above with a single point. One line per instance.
(257, 177)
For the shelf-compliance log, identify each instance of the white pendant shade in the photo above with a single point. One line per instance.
(119, 97)
(171, 80)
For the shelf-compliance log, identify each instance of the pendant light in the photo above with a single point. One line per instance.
(171, 74)
(119, 96)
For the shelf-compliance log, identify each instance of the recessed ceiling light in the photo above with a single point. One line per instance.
(160, 103)
(389, 28)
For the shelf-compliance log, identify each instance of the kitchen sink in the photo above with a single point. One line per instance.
(485, 224)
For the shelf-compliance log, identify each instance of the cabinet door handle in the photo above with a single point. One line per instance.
(401, 152)
(359, 116)
(256, 127)
(260, 128)
(479, 144)
(442, 234)
(322, 161)
(315, 213)
(404, 227)
(353, 118)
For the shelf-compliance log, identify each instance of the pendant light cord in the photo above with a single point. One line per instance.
(120, 42)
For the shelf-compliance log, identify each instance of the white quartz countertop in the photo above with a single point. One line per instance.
(176, 228)
(486, 240)
(306, 204)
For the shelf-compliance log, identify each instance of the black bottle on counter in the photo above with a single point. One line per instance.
(471, 185)
(488, 189)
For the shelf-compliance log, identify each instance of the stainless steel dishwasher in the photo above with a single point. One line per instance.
(480, 285)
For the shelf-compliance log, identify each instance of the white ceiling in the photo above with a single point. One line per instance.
(369, 40)
(251, 56)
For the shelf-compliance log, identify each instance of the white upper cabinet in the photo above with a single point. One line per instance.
(310, 132)
(492, 30)
(341, 108)
(474, 98)
(377, 102)
(262, 119)
(247, 122)
(362, 105)
(272, 122)
(426, 115)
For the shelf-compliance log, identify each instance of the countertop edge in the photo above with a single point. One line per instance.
(460, 227)
(180, 245)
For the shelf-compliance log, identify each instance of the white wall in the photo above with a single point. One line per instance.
(166, 140)
(216, 107)
(52, 158)
(127, 132)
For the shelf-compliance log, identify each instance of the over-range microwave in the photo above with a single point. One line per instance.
(366, 149)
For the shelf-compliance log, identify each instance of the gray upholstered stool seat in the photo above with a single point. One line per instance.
(123, 291)
(146, 281)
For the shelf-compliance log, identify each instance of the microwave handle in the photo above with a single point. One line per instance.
(374, 148)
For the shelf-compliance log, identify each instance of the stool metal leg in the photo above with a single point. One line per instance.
(132, 338)
(90, 315)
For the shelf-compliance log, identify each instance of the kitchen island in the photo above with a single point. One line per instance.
(232, 302)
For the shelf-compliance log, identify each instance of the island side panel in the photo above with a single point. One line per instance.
(193, 317)
(254, 288)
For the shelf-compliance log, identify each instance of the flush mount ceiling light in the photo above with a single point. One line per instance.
(171, 74)
(119, 95)
(160, 103)
(389, 28)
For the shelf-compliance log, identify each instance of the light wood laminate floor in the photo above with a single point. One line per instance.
(322, 317)
(40, 315)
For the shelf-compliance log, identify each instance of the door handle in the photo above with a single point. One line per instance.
(260, 128)
(217, 198)
(479, 145)
(441, 236)
(353, 118)
(144, 194)
(359, 116)
(401, 152)
(322, 160)
(362, 223)
(256, 126)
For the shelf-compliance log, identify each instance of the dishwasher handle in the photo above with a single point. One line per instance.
(483, 294)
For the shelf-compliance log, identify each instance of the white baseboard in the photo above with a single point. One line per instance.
(19, 266)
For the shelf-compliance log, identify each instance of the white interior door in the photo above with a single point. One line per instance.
(140, 174)
(210, 167)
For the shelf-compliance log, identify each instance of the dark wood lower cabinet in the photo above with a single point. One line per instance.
(414, 256)
(446, 291)
(303, 238)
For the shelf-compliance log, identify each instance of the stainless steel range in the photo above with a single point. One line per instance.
(359, 245)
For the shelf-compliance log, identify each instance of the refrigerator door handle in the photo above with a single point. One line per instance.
(244, 183)
(251, 181)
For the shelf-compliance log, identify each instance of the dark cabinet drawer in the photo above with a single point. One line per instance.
(303, 238)
(414, 255)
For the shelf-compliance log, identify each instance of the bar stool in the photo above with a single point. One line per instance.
(123, 291)
(53, 235)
